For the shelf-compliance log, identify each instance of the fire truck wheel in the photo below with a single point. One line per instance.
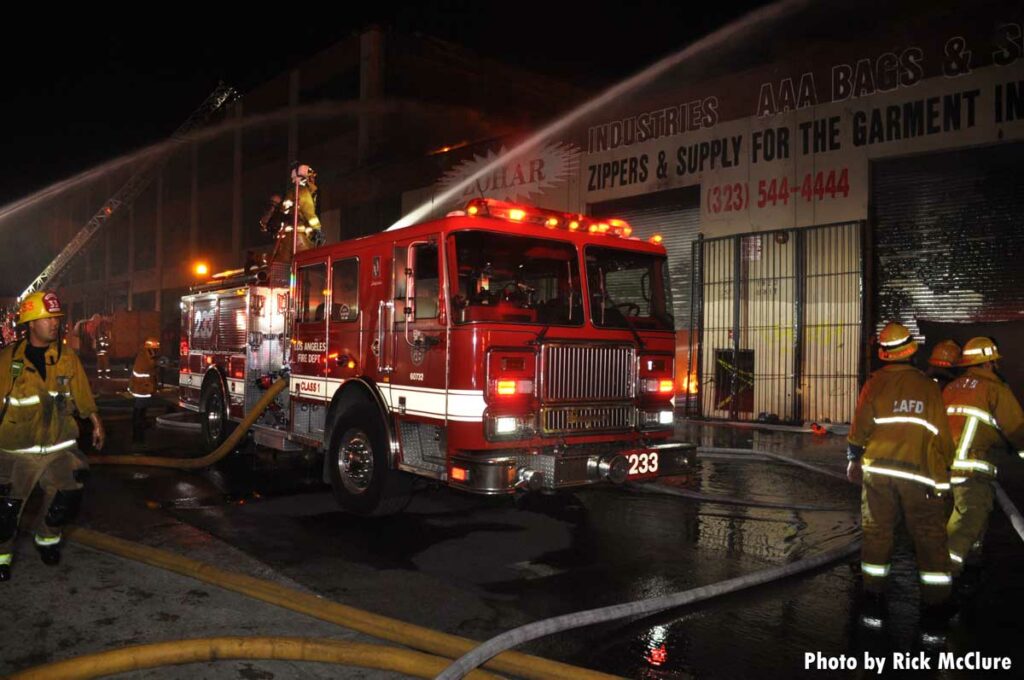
(215, 420)
(362, 480)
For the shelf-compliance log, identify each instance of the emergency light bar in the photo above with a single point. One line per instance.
(502, 210)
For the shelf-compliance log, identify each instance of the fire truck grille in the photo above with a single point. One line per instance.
(586, 419)
(588, 373)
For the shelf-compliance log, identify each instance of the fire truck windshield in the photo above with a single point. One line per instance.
(514, 279)
(628, 289)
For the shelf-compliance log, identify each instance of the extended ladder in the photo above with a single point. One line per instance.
(222, 95)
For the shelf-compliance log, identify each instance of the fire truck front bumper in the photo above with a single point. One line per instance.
(552, 469)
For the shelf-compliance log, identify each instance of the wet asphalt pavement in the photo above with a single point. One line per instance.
(477, 566)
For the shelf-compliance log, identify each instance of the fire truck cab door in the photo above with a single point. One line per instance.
(418, 342)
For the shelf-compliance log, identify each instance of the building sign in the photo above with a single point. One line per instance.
(520, 179)
(802, 157)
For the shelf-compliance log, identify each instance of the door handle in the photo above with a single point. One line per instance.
(382, 361)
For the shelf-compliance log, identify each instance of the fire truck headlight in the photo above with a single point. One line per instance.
(503, 428)
(656, 420)
(506, 425)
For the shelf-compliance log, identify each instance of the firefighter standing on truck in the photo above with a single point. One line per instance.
(982, 411)
(900, 448)
(43, 384)
(279, 218)
(142, 387)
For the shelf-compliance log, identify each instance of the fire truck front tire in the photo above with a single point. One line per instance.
(214, 423)
(358, 465)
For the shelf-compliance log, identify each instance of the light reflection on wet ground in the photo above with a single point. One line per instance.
(536, 557)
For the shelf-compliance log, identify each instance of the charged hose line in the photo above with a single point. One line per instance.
(532, 631)
(776, 456)
(209, 459)
(172, 421)
(1010, 509)
(729, 500)
(199, 650)
(1014, 515)
(382, 627)
(747, 457)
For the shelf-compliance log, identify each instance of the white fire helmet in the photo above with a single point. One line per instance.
(303, 173)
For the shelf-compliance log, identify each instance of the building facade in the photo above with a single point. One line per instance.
(859, 165)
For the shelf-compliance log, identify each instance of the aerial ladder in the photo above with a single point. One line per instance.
(127, 194)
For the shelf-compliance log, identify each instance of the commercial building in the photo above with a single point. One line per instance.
(810, 184)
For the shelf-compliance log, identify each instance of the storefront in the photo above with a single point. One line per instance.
(806, 202)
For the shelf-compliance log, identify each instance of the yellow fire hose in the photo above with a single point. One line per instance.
(209, 459)
(139, 657)
(382, 627)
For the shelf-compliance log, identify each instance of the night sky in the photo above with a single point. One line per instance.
(83, 88)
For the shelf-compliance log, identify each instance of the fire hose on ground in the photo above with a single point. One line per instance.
(730, 500)
(493, 653)
(532, 631)
(176, 421)
(517, 636)
(378, 626)
(381, 627)
(209, 459)
(324, 650)
(1010, 509)
(421, 638)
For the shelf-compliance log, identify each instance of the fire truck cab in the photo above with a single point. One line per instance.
(502, 347)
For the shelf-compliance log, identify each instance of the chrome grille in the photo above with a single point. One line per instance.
(573, 419)
(588, 373)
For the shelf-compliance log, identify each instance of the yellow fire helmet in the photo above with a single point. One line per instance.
(895, 342)
(39, 305)
(151, 343)
(945, 354)
(979, 351)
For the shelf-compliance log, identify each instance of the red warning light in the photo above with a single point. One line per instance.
(657, 656)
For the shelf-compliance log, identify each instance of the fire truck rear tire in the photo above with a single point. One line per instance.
(214, 423)
(362, 480)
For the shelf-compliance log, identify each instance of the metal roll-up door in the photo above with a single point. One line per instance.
(676, 216)
(949, 236)
(678, 227)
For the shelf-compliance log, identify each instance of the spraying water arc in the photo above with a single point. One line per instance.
(732, 31)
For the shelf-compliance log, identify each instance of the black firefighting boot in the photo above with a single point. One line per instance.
(936, 616)
(138, 429)
(968, 583)
(5, 572)
(50, 554)
(873, 609)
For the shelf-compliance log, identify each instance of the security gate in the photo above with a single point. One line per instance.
(779, 320)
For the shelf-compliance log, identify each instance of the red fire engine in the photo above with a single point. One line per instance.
(501, 347)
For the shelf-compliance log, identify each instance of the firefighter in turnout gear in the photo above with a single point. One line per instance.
(298, 205)
(982, 412)
(142, 387)
(900, 448)
(44, 385)
(102, 349)
(942, 362)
